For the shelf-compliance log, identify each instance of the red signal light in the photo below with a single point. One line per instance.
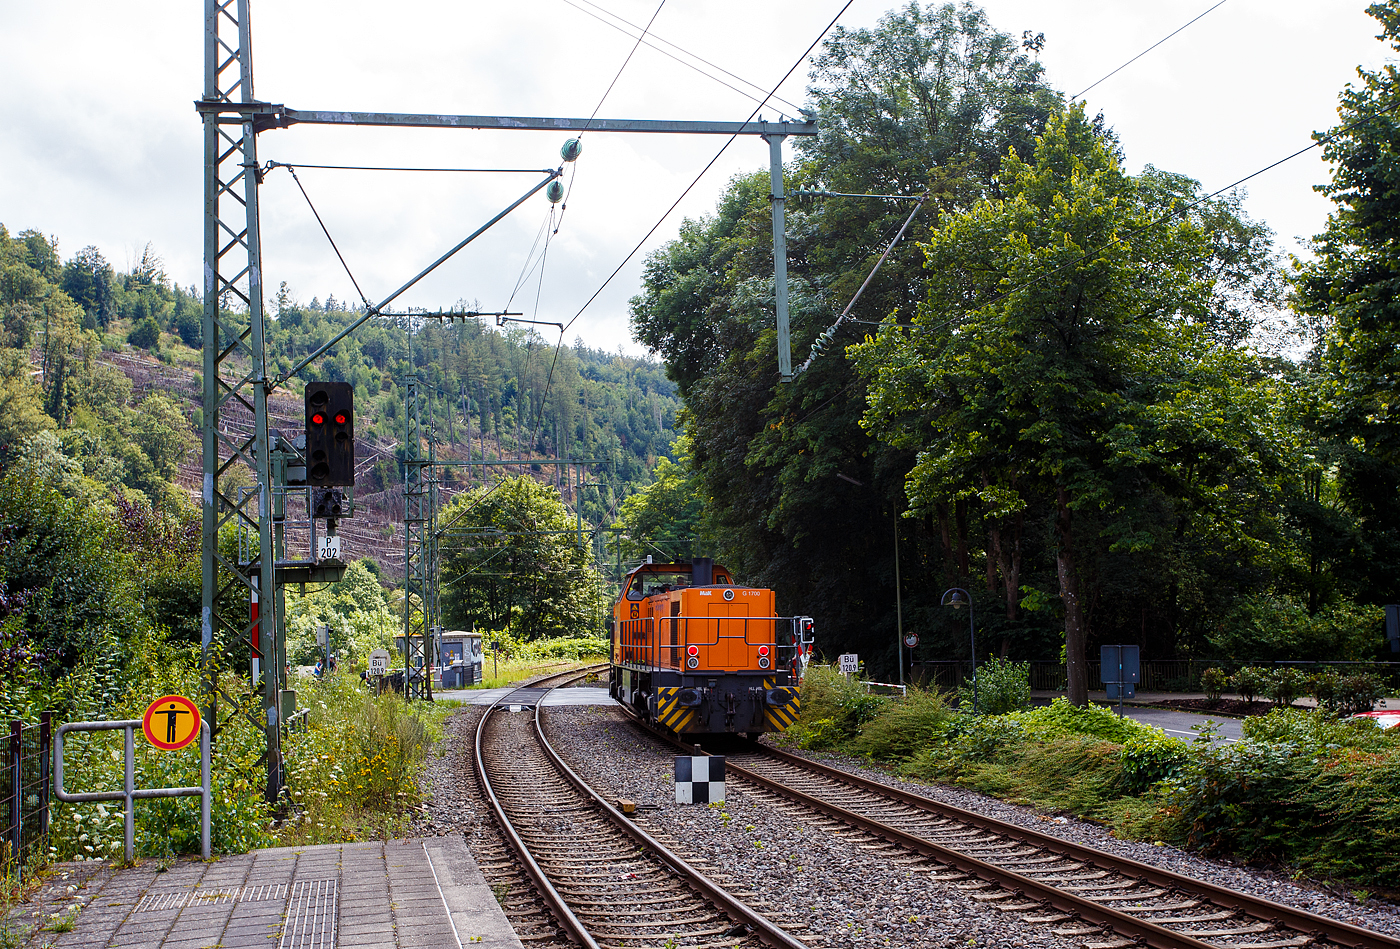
(340, 419)
(318, 419)
(763, 650)
(692, 650)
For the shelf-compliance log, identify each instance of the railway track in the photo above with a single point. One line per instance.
(1106, 900)
(527, 910)
(605, 882)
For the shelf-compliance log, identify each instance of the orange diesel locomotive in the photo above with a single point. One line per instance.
(697, 654)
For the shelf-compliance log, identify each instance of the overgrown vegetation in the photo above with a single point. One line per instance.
(1304, 788)
(352, 769)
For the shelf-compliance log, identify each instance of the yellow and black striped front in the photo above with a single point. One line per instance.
(782, 717)
(670, 713)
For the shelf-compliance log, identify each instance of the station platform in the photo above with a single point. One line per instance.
(397, 894)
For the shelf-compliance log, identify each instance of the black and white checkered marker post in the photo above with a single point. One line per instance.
(699, 779)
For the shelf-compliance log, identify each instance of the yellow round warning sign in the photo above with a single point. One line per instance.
(171, 722)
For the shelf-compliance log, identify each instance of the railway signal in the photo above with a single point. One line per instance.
(330, 434)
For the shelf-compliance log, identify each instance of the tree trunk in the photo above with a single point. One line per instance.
(964, 568)
(1069, 593)
(1010, 564)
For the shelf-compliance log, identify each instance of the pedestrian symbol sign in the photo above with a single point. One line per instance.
(171, 722)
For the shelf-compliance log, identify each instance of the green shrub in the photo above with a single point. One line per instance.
(93, 761)
(145, 334)
(1151, 757)
(818, 734)
(1248, 682)
(1214, 682)
(1284, 684)
(1346, 695)
(1358, 693)
(841, 702)
(1319, 729)
(351, 772)
(1323, 687)
(1061, 718)
(981, 739)
(903, 726)
(1002, 687)
(569, 648)
(1288, 793)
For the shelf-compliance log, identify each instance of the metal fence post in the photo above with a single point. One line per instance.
(16, 786)
(205, 799)
(130, 791)
(45, 738)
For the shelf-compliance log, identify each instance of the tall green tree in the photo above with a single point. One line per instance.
(1063, 352)
(799, 497)
(1351, 291)
(666, 517)
(511, 559)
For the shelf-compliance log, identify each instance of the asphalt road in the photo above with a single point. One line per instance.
(1185, 725)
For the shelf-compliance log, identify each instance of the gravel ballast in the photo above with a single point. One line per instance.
(1270, 884)
(849, 889)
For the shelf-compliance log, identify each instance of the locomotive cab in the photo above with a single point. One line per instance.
(699, 654)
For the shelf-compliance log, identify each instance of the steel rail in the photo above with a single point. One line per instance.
(766, 931)
(769, 933)
(561, 909)
(1262, 909)
(1151, 934)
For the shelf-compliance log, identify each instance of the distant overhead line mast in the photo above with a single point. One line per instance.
(236, 373)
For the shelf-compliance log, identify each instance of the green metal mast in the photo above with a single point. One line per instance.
(420, 546)
(235, 368)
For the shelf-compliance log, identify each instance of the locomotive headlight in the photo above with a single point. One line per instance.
(692, 662)
(692, 651)
(763, 662)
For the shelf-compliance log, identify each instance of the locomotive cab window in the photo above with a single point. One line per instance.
(651, 582)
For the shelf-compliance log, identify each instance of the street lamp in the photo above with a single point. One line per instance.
(957, 598)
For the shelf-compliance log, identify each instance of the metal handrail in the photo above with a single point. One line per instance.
(130, 793)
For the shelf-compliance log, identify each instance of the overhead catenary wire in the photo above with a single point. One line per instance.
(1148, 50)
(573, 172)
(327, 232)
(708, 165)
(564, 207)
(681, 49)
(1169, 215)
(688, 188)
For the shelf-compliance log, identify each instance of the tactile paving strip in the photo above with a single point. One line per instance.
(178, 899)
(311, 914)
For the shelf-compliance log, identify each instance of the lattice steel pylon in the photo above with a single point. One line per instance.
(420, 540)
(236, 385)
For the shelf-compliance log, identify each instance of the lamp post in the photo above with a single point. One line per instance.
(957, 598)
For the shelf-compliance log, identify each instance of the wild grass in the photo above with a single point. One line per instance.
(352, 770)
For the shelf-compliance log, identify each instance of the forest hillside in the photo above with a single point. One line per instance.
(100, 392)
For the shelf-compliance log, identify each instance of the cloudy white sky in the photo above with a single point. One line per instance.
(100, 144)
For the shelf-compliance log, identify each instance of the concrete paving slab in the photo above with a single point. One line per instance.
(421, 891)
